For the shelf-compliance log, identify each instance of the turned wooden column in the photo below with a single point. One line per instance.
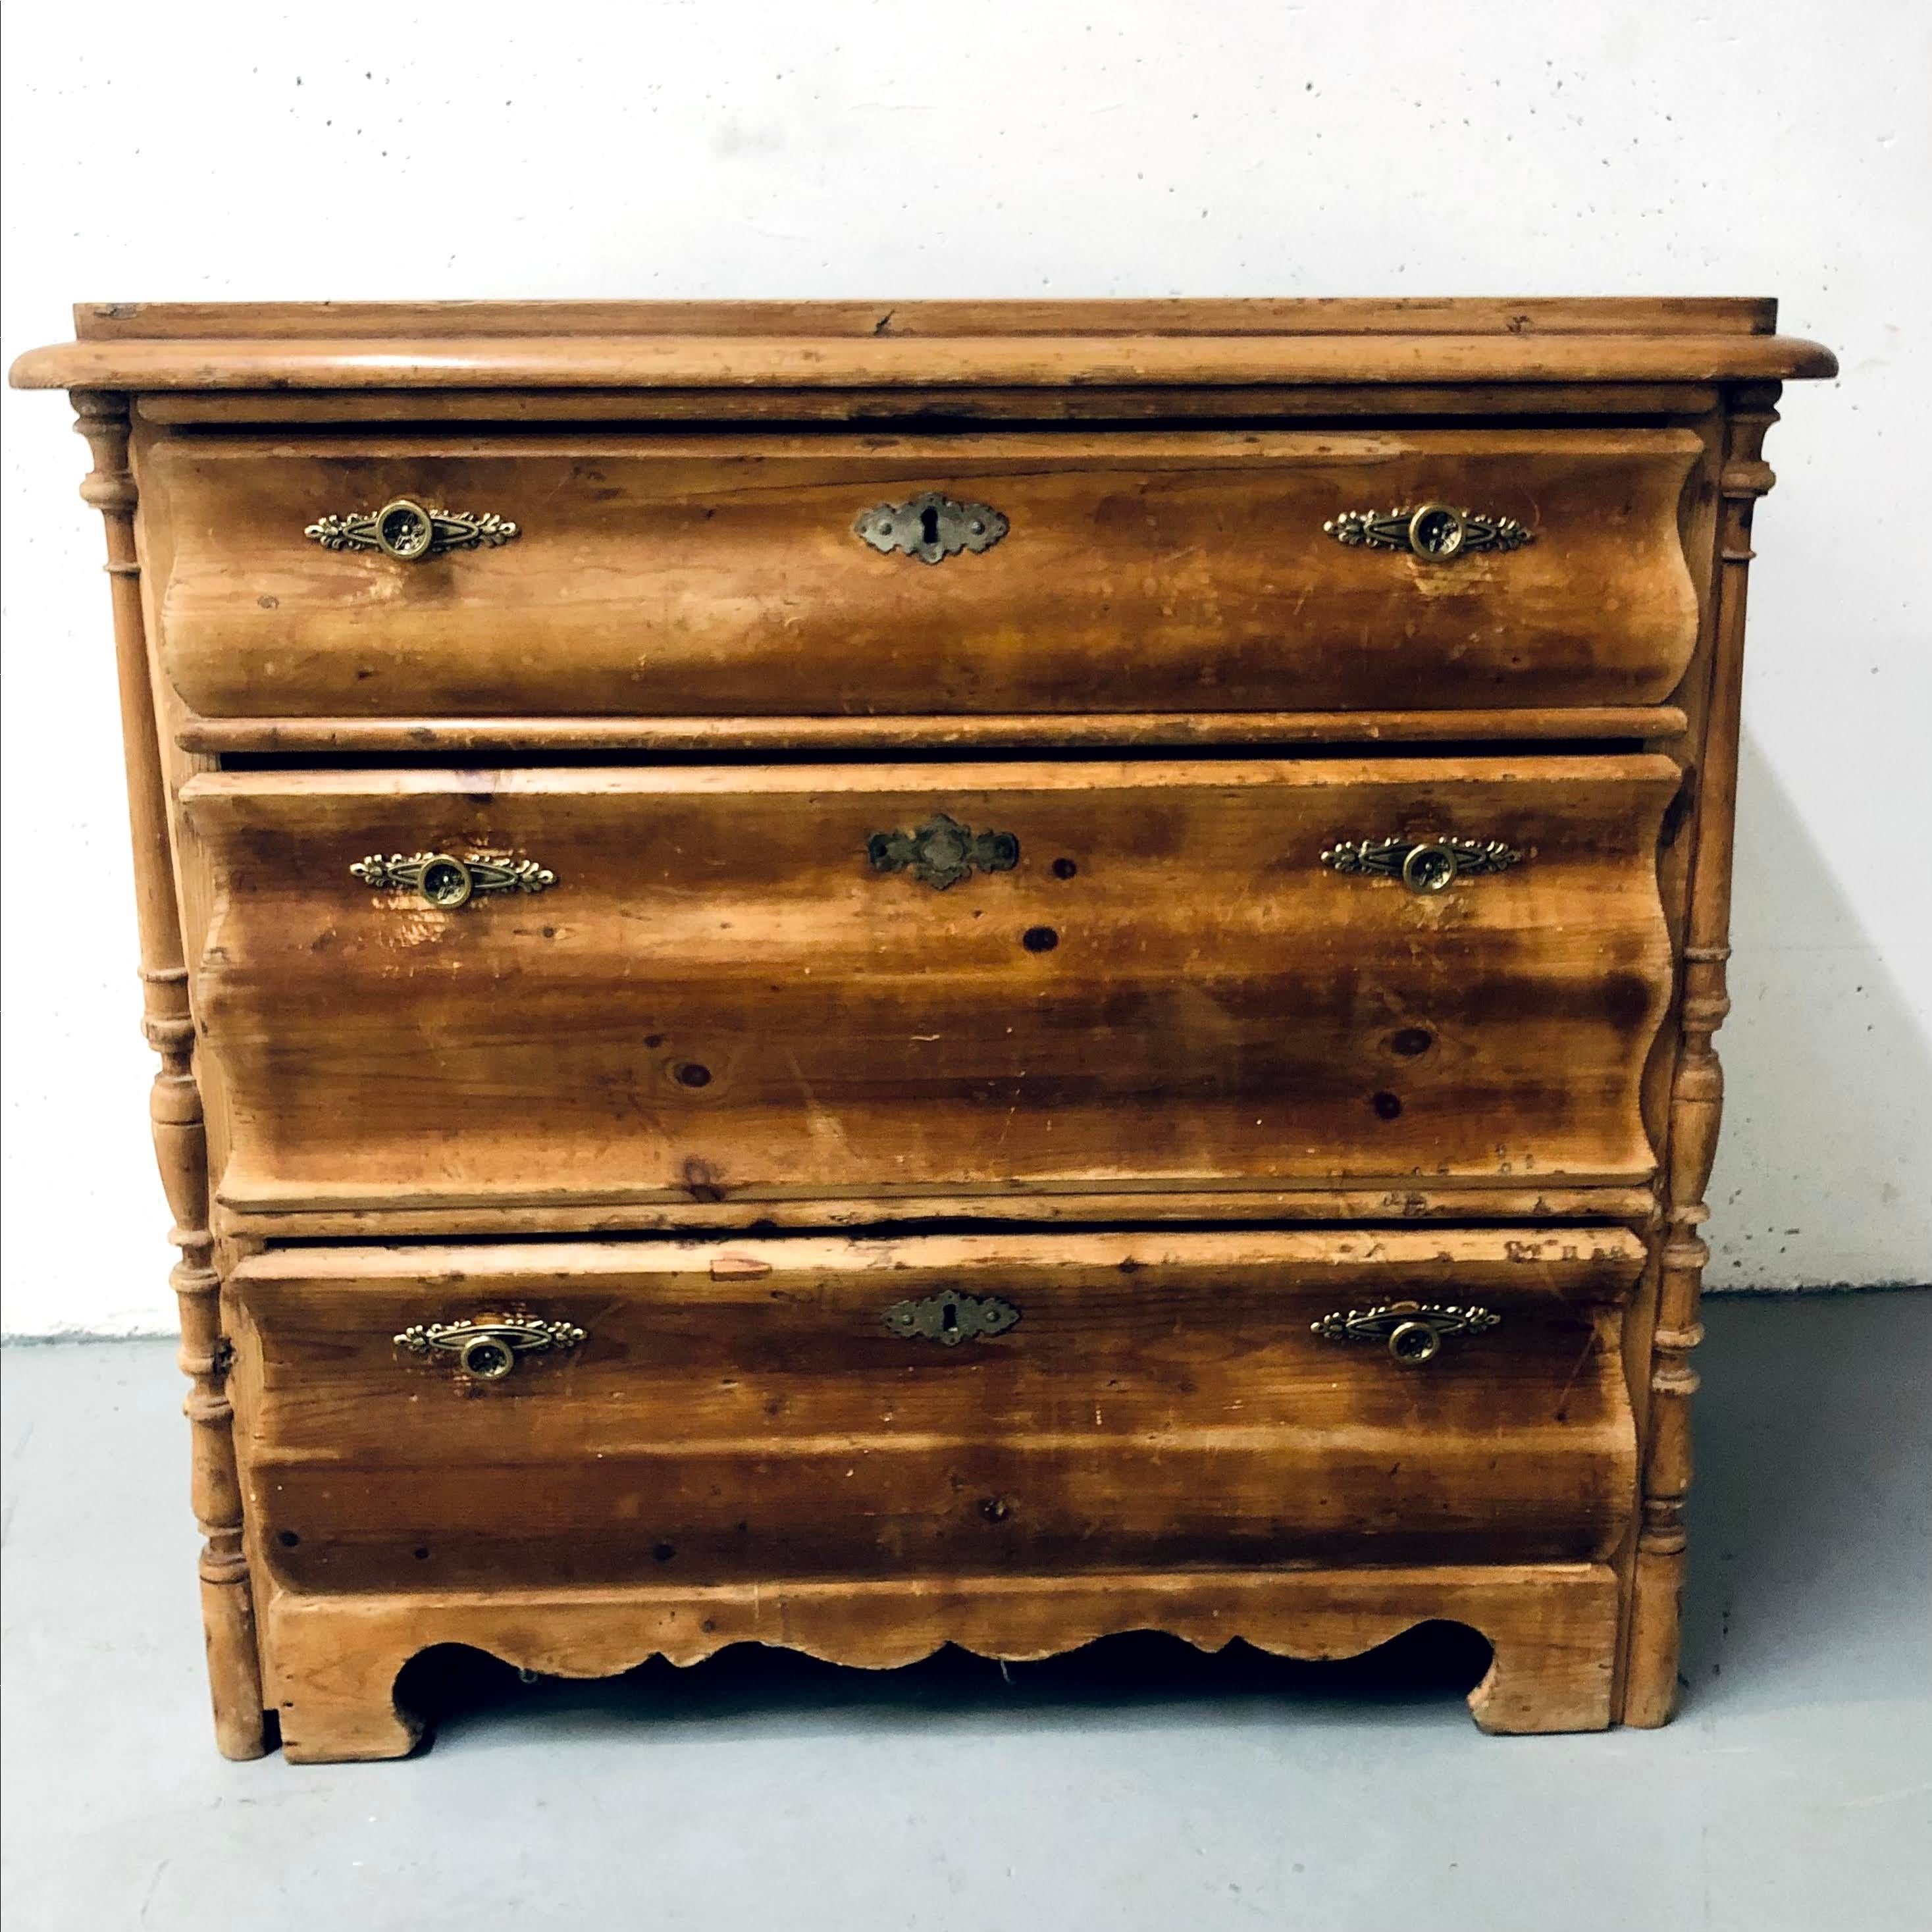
(1697, 1090)
(181, 1144)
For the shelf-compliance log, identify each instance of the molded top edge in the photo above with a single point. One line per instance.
(800, 346)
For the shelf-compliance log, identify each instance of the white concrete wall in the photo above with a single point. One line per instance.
(1144, 147)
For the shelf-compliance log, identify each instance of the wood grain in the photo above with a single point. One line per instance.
(743, 1411)
(1194, 1088)
(936, 406)
(722, 998)
(175, 1110)
(1605, 315)
(331, 1212)
(1551, 1626)
(428, 739)
(1162, 573)
(728, 365)
(1651, 1686)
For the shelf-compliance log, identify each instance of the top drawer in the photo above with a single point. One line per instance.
(702, 576)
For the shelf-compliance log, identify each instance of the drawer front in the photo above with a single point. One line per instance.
(705, 577)
(770, 982)
(786, 1409)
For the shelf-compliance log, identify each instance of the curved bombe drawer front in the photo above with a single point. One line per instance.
(433, 989)
(830, 575)
(793, 1409)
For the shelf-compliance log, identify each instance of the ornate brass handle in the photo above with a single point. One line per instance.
(446, 881)
(487, 1348)
(931, 527)
(1435, 532)
(405, 530)
(1424, 865)
(942, 852)
(950, 1318)
(1413, 1330)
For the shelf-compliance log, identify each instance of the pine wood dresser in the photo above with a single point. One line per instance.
(857, 977)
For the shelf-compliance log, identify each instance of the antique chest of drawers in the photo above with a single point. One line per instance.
(858, 977)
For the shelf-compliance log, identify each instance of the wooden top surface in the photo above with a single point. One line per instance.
(732, 345)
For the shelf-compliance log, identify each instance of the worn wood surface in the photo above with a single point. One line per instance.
(1168, 1018)
(227, 1607)
(335, 1659)
(330, 1215)
(744, 1410)
(721, 997)
(1651, 1687)
(732, 363)
(1167, 573)
(429, 738)
(936, 407)
(1186, 316)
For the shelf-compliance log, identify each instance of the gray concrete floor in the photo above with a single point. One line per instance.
(1135, 1785)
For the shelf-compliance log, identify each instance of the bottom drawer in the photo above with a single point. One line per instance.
(603, 1413)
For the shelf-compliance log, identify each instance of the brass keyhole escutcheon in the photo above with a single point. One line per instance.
(943, 852)
(950, 1318)
(930, 526)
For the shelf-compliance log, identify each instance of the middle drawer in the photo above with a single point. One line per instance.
(442, 989)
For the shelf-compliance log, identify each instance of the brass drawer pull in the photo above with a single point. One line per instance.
(405, 530)
(488, 1349)
(950, 1318)
(1424, 865)
(446, 881)
(942, 852)
(931, 527)
(1435, 532)
(1413, 1330)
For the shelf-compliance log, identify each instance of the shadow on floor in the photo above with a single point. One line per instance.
(1811, 1509)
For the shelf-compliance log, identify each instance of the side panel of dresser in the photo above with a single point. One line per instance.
(180, 1139)
(1653, 1639)
(1698, 512)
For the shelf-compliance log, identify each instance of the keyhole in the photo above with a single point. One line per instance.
(928, 524)
(948, 1318)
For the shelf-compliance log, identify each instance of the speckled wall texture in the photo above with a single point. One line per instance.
(894, 151)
